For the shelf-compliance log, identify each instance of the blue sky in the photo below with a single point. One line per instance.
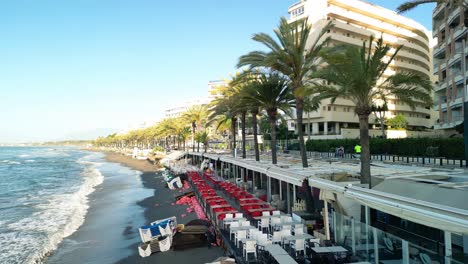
(72, 68)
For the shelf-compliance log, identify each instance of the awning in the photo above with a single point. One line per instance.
(425, 213)
(286, 176)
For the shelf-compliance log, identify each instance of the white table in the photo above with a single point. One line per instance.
(275, 250)
(266, 217)
(239, 228)
(284, 259)
(302, 236)
(335, 249)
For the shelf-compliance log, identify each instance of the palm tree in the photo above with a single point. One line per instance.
(196, 116)
(292, 57)
(225, 108)
(406, 6)
(379, 111)
(204, 137)
(271, 92)
(357, 74)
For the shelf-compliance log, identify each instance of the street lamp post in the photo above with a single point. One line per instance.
(465, 103)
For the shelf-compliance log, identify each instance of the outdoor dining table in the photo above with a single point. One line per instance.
(284, 259)
(334, 249)
(265, 217)
(302, 236)
(275, 250)
(239, 228)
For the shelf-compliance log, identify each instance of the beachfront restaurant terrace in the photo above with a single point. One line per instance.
(378, 225)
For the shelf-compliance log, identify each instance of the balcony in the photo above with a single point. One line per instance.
(456, 103)
(454, 14)
(456, 57)
(439, 49)
(459, 32)
(440, 86)
(437, 10)
(343, 13)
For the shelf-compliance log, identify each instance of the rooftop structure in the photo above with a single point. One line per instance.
(450, 57)
(353, 22)
(212, 85)
(178, 110)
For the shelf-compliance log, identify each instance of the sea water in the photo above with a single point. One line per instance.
(43, 198)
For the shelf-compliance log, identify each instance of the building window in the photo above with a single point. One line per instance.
(329, 108)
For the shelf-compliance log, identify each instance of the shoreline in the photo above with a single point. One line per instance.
(157, 206)
(112, 212)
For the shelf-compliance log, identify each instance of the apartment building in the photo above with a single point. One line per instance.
(450, 58)
(178, 109)
(354, 21)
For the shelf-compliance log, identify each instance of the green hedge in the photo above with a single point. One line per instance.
(452, 148)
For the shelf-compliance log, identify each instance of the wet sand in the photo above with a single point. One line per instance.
(160, 206)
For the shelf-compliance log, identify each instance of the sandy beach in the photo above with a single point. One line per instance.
(158, 206)
(131, 195)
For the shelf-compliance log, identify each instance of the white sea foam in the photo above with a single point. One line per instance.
(59, 217)
(23, 155)
(29, 160)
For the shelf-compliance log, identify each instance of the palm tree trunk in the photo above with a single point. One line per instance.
(273, 139)
(244, 155)
(198, 146)
(233, 131)
(382, 126)
(193, 136)
(365, 151)
(255, 133)
(299, 113)
(309, 198)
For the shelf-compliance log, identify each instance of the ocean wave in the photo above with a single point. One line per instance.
(23, 156)
(30, 161)
(55, 220)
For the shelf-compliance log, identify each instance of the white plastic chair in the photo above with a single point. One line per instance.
(285, 233)
(276, 212)
(299, 226)
(228, 219)
(266, 213)
(233, 224)
(276, 237)
(245, 223)
(286, 228)
(240, 235)
(229, 216)
(263, 223)
(298, 231)
(273, 222)
(298, 245)
(253, 233)
(262, 239)
(249, 247)
(239, 215)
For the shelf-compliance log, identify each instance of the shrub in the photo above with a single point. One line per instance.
(398, 122)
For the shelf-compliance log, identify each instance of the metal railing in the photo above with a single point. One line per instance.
(397, 159)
